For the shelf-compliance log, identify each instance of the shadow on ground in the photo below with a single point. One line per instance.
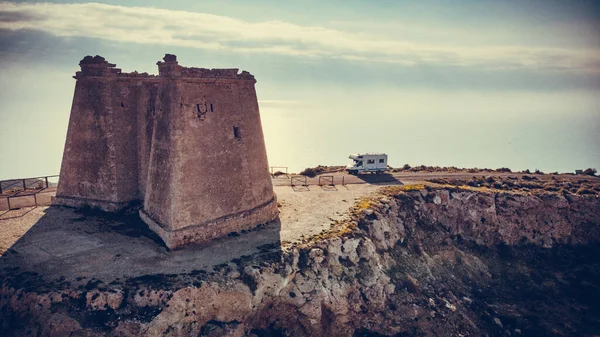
(328, 188)
(69, 249)
(378, 178)
(302, 188)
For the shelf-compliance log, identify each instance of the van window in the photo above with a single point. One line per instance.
(381, 161)
(371, 161)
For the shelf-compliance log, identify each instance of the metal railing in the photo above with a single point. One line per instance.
(18, 189)
(27, 184)
(298, 181)
(278, 168)
(326, 181)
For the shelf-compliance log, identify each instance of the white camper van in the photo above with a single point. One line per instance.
(367, 162)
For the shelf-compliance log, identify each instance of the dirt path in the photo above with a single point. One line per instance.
(340, 178)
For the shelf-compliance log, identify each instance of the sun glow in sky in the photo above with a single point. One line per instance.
(449, 83)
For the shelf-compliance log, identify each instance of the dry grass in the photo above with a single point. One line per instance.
(411, 187)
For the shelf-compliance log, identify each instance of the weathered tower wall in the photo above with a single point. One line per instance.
(99, 166)
(188, 142)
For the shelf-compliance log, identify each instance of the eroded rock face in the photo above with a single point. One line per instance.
(431, 262)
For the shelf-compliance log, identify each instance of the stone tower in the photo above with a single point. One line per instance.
(187, 142)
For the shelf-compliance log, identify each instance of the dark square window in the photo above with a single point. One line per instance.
(236, 132)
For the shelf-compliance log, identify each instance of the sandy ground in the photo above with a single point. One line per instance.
(58, 241)
(15, 223)
(310, 210)
(304, 211)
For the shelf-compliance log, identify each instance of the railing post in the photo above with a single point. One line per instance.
(24, 187)
(46, 182)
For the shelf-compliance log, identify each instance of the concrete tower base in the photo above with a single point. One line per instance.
(107, 206)
(207, 231)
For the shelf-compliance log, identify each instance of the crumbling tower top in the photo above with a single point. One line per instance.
(170, 67)
(97, 66)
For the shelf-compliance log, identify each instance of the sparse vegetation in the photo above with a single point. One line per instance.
(412, 187)
(309, 172)
(524, 184)
(321, 169)
(590, 172)
(585, 190)
(451, 169)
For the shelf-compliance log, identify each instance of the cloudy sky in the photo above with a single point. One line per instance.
(465, 83)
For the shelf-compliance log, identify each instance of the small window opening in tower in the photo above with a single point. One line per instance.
(200, 113)
(236, 132)
(122, 105)
(211, 108)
